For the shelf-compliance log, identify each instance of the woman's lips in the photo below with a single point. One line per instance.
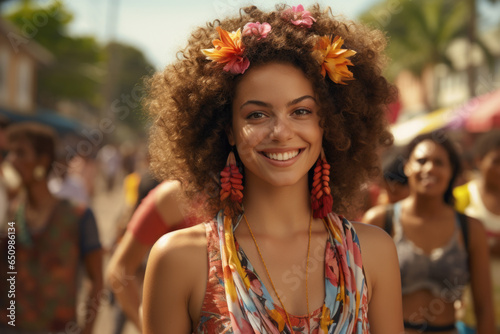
(283, 158)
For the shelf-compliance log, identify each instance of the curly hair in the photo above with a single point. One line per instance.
(190, 102)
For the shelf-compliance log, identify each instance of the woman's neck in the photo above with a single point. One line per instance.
(278, 210)
(428, 205)
(38, 195)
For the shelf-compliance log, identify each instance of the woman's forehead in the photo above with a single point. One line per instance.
(427, 148)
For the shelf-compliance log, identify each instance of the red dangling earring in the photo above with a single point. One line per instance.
(231, 182)
(321, 197)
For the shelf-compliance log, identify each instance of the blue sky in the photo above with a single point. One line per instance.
(161, 27)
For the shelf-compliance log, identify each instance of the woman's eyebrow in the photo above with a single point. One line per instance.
(256, 102)
(299, 99)
(268, 105)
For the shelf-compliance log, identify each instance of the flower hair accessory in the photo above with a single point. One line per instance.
(229, 51)
(334, 59)
(256, 29)
(299, 16)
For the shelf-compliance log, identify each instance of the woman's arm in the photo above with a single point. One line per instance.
(122, 275)
(380, 262)
(177, 265)
(479, 261)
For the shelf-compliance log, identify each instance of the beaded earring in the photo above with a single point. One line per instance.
(231, 182)
(321, 197)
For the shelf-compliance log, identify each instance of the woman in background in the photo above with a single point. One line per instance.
(439, 251)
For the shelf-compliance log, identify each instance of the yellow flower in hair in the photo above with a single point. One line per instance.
(334, 59)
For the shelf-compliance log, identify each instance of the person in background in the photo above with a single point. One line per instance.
(394, 181)
(250, 101)
(480, 198)
(52, 238)
(160, 212)
(439, 251)
(70, 183)
(110, 162)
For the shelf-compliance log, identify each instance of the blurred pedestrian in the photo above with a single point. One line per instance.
(439, 250)
(480, 198)
(160, 212)
(110, 162)
(70, 184)
(52, 238)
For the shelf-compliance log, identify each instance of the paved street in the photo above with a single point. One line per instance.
(107, 207)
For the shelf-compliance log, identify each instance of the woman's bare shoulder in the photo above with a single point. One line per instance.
(169, 202)
(184, 243)
(371, 236)
(375, 215)
(174, 275)
(179, 257)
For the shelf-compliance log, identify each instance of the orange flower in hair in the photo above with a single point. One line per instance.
(229, 51)
(334, 59)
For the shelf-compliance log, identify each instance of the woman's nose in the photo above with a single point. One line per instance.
(429, 165)
(282, 129)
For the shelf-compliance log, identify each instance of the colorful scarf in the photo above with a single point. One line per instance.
(251, 308)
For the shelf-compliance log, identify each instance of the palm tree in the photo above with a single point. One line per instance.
(420, 33)
(473, 40)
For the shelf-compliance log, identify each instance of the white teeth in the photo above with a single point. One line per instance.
(282, 156)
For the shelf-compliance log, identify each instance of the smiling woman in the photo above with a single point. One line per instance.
(276, 117)
(275, 125)
(439, 251)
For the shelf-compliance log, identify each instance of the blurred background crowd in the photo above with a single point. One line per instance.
(72, 130)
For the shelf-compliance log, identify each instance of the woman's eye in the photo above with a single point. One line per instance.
(256, 115)
(301, 112)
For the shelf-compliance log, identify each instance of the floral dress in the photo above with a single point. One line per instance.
(236, 300)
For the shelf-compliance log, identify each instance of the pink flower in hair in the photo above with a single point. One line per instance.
(256, 29)
(299, 16)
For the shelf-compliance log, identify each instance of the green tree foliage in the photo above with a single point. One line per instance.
(127, 68)
(103, 77)
(420, 32)
(76, 73)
